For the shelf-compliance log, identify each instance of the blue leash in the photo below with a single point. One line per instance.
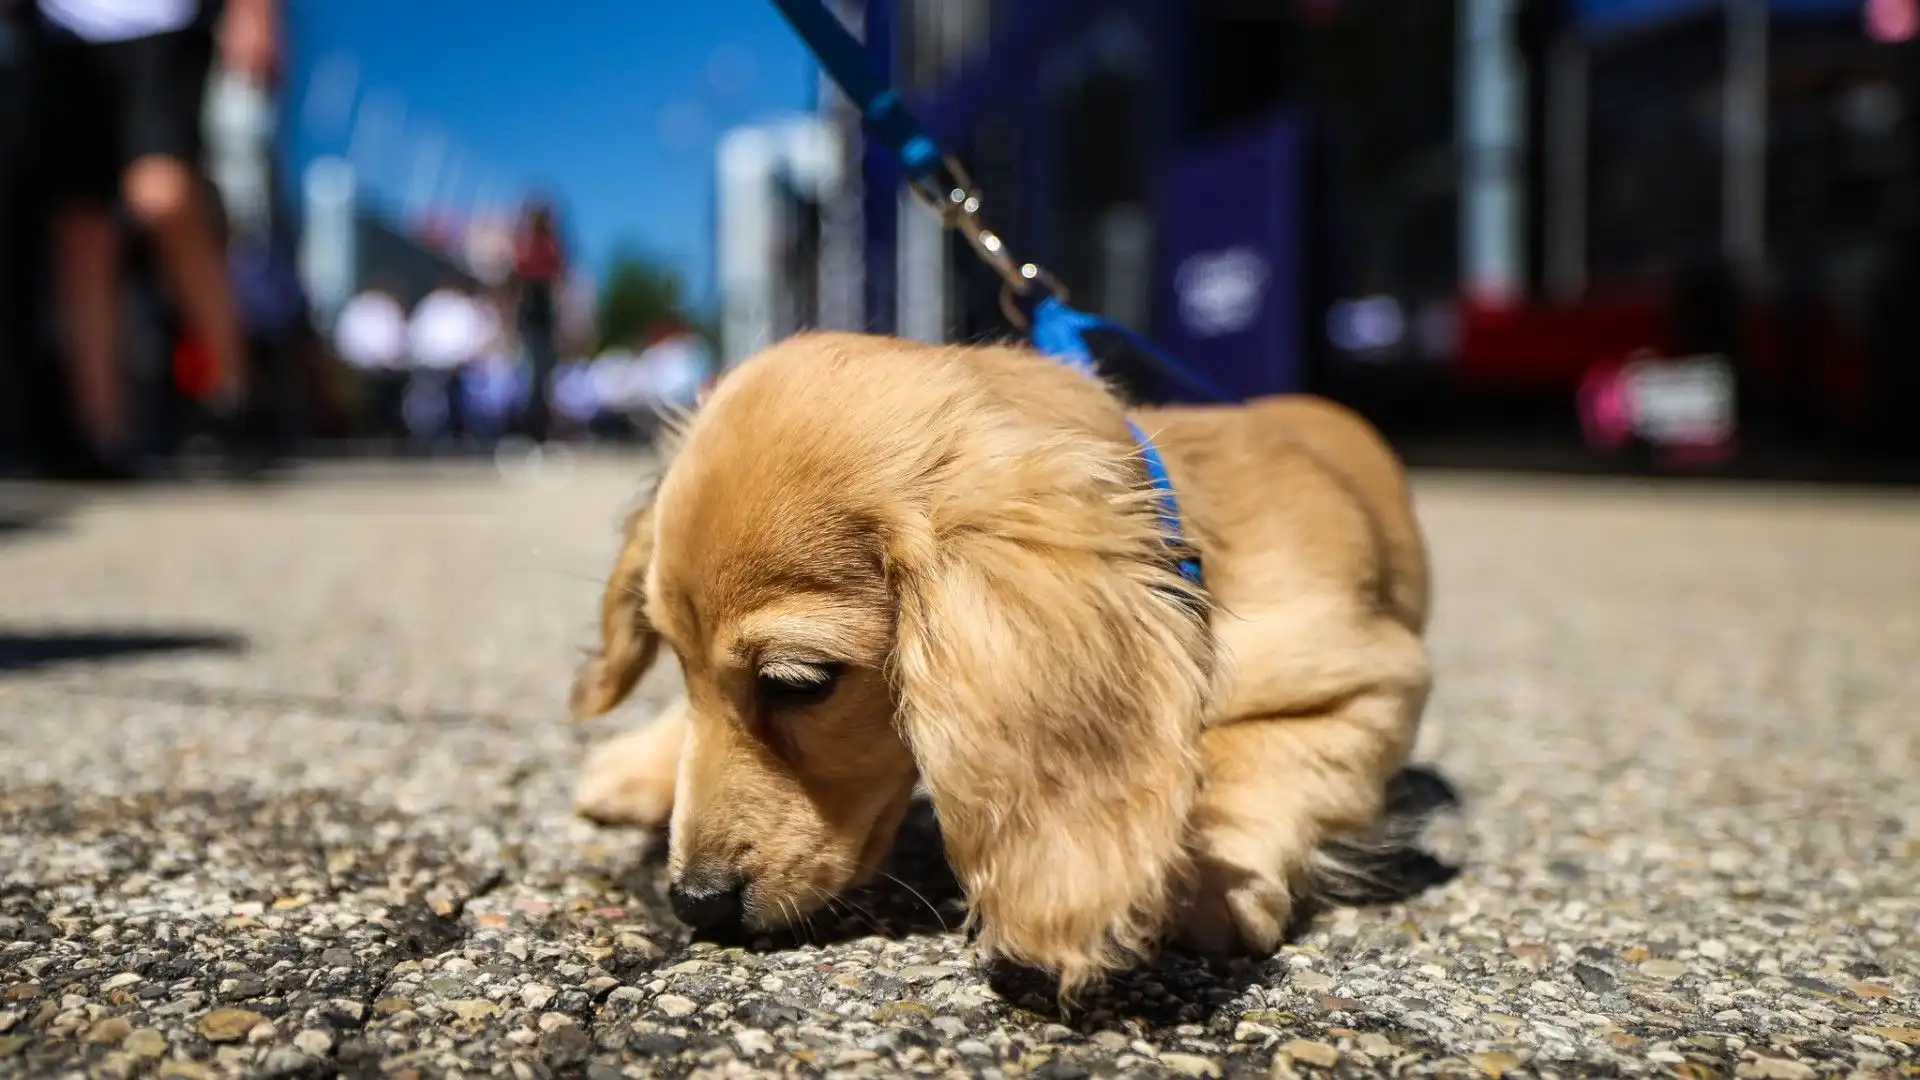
(1058, 331)
(1055, 327)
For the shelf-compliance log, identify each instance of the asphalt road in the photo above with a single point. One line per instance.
(284, 780)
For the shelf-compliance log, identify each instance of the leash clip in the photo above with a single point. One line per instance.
(953, 199)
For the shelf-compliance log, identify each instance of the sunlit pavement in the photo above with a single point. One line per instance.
(284, 777)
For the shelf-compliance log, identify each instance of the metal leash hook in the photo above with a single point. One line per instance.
(944, 186)
(1054, 327)
(957, 205)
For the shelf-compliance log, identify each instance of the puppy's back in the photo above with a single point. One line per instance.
(1351, 446)
(1286, 455)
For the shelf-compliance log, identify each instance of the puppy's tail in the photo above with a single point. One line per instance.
(1393, 862)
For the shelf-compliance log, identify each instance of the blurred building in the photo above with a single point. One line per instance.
(1177, 163)
(1737, 177)
(349, 244)
(1447, 213)
(772, 181)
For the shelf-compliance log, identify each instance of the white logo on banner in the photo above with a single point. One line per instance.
(1221, 291)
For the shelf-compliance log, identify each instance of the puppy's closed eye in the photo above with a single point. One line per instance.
(788, 684)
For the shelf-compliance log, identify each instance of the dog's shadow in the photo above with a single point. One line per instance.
(918, 893)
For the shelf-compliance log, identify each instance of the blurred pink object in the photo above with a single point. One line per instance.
(1683, 408)
(1606, 408)
(1891, 21)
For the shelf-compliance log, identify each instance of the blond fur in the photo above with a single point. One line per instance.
(1114, 755)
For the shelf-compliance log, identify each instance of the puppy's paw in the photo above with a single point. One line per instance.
(625, 782)
(1235, 911)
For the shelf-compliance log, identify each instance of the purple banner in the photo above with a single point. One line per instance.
(1231, 247)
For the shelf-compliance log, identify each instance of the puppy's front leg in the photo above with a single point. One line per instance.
(629, 780)
(1276, 791)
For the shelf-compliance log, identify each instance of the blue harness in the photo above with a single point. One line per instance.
(1054, 327)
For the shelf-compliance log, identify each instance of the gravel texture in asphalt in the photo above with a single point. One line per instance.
(285, 778)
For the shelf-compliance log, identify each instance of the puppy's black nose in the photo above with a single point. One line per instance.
(713, 904)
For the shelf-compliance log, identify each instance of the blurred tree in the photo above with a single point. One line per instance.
(639, 292)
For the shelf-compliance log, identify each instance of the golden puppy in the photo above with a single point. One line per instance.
(884, 564)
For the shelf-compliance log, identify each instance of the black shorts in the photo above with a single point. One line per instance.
(104, 105)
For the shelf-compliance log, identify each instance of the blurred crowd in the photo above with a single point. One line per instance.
(152, 313)
(105, 191)
(465, 366)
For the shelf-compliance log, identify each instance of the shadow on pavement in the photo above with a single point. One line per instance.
(187, 692)
(918, 893)
(24, 511)
(45, 649)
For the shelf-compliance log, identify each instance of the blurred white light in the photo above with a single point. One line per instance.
(608, 374)
(1221, 292)
(1366, 324)
(573, 393)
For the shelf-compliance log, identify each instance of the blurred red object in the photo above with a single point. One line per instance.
(1606, 406)
(193, 367)
(1550, 347)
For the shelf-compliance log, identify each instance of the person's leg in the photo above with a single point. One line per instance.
(384, 416)
(162, 84)
(456, 405)
(16, 85)
(425, 407)
(537, 331)
(167, 198)
(78, 132)
(86, 266)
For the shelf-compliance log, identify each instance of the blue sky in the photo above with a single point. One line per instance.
(612, 104)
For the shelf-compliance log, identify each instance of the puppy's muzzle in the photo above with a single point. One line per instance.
(712, 905)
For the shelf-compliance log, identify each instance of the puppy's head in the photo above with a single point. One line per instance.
(883, 565)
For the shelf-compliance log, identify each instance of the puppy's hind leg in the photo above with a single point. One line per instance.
(629, 780)
(1295, 810)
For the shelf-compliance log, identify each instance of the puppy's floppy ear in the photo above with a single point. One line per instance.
(628, 643)
(1054, 671)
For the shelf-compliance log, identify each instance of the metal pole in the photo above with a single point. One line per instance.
(329, 255)
(744, 162)
(921, 257)
(1567, 140)
(921, 273)
(1744, 131)
(843, 228)
(1490, 206)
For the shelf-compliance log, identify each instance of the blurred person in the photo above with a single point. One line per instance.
(272, 307)
(240, 121)
(539, 273)
(576, 400)
(494, 390)
(121, 89)
(370, 334)
(17, 373)
(449, 329)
